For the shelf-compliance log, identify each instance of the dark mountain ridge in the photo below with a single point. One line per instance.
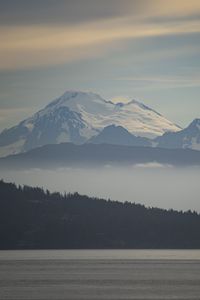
(118, 135)
(86, 155)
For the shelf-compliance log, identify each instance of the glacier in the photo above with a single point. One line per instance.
(77, 116)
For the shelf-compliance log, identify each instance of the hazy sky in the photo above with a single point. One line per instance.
(165, 187)
(143, 49)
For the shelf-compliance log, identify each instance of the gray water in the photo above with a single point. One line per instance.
(100, 274)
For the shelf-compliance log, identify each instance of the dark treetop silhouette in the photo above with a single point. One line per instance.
(32, 218)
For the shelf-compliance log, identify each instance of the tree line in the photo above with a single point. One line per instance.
(34, 218)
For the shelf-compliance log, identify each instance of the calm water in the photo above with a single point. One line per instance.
(100, 274)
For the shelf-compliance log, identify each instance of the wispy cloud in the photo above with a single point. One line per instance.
(23, 47)
(46, 44)
(53, 12)
(163, 81)
(153, 165)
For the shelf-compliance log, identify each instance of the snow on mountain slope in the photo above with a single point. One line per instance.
(186, 138)
(76, 117)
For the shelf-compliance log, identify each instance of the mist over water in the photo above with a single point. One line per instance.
(151, 185)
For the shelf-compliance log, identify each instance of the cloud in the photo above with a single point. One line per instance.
(173, 8)
(121, 99)
(164, 81)
(153, 165)
(78, 11)
(52, 12)
(50, 33)
(34, 46)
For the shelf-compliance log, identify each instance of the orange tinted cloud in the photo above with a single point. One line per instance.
(34, 46)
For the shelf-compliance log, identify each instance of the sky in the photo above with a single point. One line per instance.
(165, 186)
(148, 50)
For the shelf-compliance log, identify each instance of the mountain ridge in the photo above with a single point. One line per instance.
(76, 117)
(188, 137)
(95, 155)
(118, 135)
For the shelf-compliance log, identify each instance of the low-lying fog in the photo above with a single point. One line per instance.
(164, 187)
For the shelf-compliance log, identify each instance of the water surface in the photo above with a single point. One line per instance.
(100, 274)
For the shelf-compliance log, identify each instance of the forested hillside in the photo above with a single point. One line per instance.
(31, 218)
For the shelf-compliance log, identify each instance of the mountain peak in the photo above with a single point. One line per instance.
(116, 128)
(76, 117)
(74, 96)
(188, 137)
(195, 123)
(142, 106)
(118, 135)
(77, 93)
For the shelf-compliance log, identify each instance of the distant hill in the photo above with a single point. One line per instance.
(118, 135)
(86, 155)
(32, 218)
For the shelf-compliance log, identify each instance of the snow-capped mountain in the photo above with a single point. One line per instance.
(78, 116)
(117, 135)
(186, 138)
